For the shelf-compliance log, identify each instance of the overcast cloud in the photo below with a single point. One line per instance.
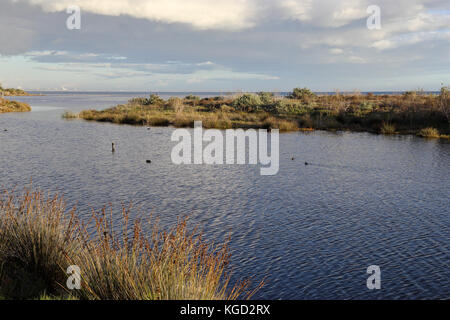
(172, 45)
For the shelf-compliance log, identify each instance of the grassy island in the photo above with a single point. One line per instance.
(407, 113)
(13, 106)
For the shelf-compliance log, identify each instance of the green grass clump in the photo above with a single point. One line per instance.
(39, 239)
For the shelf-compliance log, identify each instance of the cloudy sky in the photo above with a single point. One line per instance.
(229, 45)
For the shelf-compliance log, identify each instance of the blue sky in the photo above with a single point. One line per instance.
(224, 45)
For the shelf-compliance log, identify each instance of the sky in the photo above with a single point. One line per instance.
(225, 45)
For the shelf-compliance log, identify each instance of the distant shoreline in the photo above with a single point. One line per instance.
(11, 92)
(218, 93)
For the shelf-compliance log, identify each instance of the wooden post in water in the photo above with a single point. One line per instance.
(113, 148)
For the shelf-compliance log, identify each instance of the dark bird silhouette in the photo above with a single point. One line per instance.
(149, 161)
(306, 163)
(292, 158)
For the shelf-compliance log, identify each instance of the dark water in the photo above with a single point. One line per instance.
(312, 231)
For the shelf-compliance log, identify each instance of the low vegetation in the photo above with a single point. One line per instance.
(429, 133)
(13, 106)
(406, 113)
(69, 115)
(40, 239)
(13, 92)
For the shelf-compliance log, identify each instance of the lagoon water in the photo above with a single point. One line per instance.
(310, 231)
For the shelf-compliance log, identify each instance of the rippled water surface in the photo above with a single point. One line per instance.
(311, 231)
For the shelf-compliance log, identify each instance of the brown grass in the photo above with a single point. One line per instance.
(13, 106)
(39, 239)
(429, 133)
(404, 113)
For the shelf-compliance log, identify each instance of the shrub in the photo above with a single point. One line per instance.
(247, 102)
(267, 98)
(287, 106)
(429, 133)
(155, 100)
(303, 94)
(138, 101)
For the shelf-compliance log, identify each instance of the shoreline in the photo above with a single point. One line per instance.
(411, 113)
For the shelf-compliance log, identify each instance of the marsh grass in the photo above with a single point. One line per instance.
(13, 106)
(39, 239)
(35, 237)
(404, 113)
(429, 133)
(69, 115)
(387, 128)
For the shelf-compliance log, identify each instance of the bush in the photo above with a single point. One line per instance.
(267, 98)
(287, 106)
(247, 103)
(303, 94)
(155, 100)
(138, 101)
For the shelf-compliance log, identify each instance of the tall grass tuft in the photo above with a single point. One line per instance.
(35, 236)
(387, 128)
(39, 239)
(429, 133)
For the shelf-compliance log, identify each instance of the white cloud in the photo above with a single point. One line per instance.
(202, 14)
(46, 53)
(336, 51)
